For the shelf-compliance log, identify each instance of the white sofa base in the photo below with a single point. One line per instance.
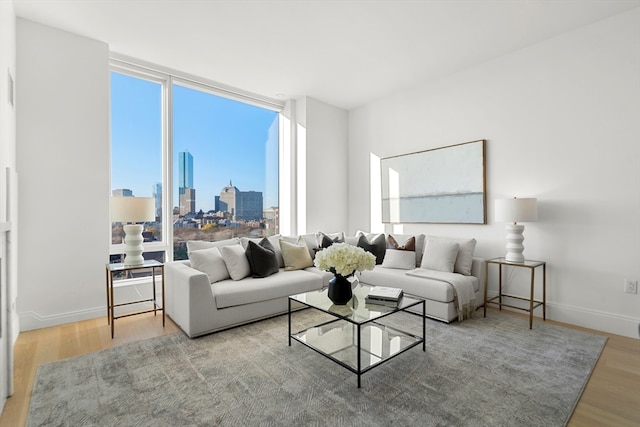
(191, 301)
(439, 296)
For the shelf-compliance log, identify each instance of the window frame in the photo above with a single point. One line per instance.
(167, 78)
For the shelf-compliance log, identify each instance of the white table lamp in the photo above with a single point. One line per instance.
(514, 211)
(129, 211)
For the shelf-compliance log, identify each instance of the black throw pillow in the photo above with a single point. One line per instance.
(377, 246)
(262, 258)
(328, 241)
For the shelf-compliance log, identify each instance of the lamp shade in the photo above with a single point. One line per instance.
(516, 210)
(132, 209)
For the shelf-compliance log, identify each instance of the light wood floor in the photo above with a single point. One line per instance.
(611, 398)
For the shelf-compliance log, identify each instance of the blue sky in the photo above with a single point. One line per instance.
(228, 140)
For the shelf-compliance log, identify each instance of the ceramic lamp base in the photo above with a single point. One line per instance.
(133, 245)
(514, 243)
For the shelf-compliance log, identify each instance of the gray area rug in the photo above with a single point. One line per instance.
(480, 372)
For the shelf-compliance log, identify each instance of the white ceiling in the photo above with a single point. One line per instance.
(345, 53)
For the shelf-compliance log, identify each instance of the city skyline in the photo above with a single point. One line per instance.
(228, 140)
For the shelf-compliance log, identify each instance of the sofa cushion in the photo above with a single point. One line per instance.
(326, 240)
(407, 245)
(262, 258)
(430, 289)
(296, 256)
(420, 238)
(440, 255)
(275, 243)
(249, 290)
(376, 246)
(236, 261)
(210, 262)
(196, 245)
(464, 260)
(395, 258)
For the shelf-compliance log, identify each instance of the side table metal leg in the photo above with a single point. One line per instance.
(153, 281)
(358, 355)
(289, 311)
(533, 275)
(544, 291)
(111, 303)
(108, 300)
(424, 326)
(500, 286)
(164, 307)
(486, 285)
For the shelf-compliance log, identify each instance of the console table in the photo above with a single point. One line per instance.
(111, 269)
(533, 303)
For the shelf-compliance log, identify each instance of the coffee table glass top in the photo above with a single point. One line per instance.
(356, 310)
(357, 337)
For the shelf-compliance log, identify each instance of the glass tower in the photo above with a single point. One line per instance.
(185, 170)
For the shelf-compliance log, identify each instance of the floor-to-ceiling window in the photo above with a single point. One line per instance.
(225, 164)
(210, 161)
(137, 143)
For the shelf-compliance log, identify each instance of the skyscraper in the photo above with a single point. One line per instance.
(186, 192)
(185, 170)
(157, 195)
(242, 205)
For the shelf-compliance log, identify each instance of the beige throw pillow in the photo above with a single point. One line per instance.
(296, 257)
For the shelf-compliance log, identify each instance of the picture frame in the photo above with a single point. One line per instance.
(445, 185)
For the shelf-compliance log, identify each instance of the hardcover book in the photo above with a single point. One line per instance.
(384, 302)
(385, 293)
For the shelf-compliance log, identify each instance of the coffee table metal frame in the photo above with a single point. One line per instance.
(344, 341)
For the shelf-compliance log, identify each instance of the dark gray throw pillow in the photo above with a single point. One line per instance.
(328, 241)
(377, 246)
(262, 258)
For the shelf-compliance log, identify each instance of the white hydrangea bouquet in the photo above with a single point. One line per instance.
(344, 259)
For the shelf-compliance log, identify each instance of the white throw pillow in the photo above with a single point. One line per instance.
(296, 256)
(236, 261)
(420, 239)
(395, 258)
(197, 245)
(464, 261)
(210, 262)
(440, 255)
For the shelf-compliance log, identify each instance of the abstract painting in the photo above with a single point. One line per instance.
(441, 185)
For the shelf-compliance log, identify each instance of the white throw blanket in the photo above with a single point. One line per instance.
(463, 293)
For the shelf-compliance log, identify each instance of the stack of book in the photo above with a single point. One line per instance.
(383, 295)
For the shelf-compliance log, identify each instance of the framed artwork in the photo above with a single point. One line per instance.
(444, 185)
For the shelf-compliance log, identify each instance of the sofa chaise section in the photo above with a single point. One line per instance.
(438, 295)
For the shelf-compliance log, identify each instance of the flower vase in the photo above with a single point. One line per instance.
(339, 290)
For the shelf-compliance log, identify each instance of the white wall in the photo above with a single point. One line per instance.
(562, 123)
(323, 146)
(9, 322)
(63, 160)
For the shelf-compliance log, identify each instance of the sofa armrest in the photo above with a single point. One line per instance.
(478, 270)
(188, 293)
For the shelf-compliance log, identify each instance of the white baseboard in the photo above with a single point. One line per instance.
(31, 320)
(594, 319)
(586, 318)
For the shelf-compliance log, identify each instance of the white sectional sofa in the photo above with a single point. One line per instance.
(209, 292)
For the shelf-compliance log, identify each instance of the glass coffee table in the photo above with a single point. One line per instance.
(355, 338)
